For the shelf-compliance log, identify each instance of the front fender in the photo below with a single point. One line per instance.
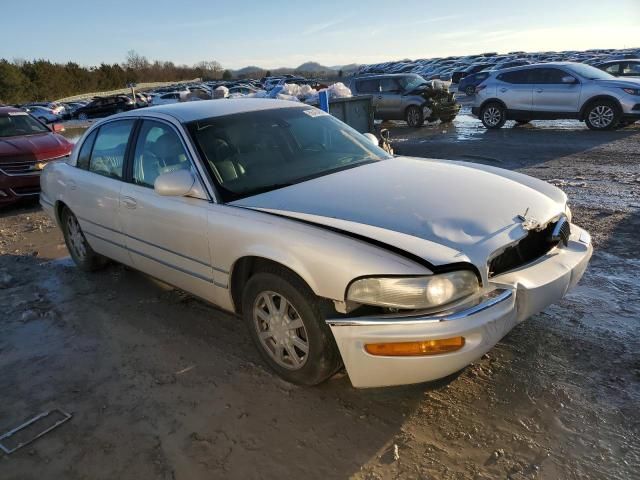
(327, 261)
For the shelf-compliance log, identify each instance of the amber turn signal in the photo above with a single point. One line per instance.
(415, 349)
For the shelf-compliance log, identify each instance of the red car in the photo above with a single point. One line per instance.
(25, 147)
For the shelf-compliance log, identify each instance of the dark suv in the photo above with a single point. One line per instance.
(105, 106)
(408, 97)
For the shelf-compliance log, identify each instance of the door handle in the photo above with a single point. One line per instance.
(129, 202)
(503, 89)
(539, 90)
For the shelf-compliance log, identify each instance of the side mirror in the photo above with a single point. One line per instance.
(372, 138)
(178, 184)
(57, 127)
(569, 79)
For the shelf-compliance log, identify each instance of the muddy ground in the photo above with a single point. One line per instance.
(163, 386)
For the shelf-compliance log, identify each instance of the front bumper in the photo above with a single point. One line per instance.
(14, 188)
(511, 298)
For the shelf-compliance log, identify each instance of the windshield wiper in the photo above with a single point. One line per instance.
(266, 188)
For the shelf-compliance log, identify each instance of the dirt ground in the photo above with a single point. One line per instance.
(163, 386)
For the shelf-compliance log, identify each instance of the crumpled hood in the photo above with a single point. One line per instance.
(34, 147)
(442, 211)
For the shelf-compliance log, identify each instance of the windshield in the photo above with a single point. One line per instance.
(591, 73)
(254, 152)
(20, 123)
(411, 82)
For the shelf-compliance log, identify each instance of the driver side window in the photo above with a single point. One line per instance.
(158, 150)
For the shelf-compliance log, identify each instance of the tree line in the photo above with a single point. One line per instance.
(24, 81)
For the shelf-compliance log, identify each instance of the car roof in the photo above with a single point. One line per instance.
(4, 111)
(197, 110)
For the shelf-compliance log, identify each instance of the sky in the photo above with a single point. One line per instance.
(275, 33)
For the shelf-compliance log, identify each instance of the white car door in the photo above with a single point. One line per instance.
(166, 236)
(94, 189)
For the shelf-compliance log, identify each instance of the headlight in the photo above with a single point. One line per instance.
(414, 292)
(632, 91)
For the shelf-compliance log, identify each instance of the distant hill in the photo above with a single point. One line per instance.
(248, 70)
(307, 68)
(313, 67)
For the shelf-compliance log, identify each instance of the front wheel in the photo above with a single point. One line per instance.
(493, 115)
(414, 116)
(79, 249)
(602, 115)
(288, 328)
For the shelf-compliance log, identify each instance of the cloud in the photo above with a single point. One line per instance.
(321, 27)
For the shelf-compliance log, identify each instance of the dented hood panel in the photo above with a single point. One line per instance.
(442, 211)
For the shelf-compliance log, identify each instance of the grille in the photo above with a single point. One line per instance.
(533, 246)
(19, 168)
(22, 191)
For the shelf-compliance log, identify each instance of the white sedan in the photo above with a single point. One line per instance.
(334, 253)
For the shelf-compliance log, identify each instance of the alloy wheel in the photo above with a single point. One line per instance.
(76, 238)
(413, 117)
(601, 116)
(281, 330)
(492, 116)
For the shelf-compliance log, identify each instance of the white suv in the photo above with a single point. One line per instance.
(557, 90)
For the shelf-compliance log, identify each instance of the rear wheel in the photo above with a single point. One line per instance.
(414, 116)
(602, 115)
(81, 252)
(493, 115)
(287, 325)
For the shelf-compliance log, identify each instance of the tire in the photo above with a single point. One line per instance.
(79, 249)
(83, 116)
(602, 115)
(282, 339)
(470, 91)
(414, 116)
(493, 115)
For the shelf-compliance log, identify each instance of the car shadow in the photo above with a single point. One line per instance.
(165, 368)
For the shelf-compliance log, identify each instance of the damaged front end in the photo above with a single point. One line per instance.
(440, 103)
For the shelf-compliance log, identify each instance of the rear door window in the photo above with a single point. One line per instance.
(368, 86)
(107, 157)
(548, 76)
(517, 77)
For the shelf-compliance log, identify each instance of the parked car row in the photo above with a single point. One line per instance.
(456, 68)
